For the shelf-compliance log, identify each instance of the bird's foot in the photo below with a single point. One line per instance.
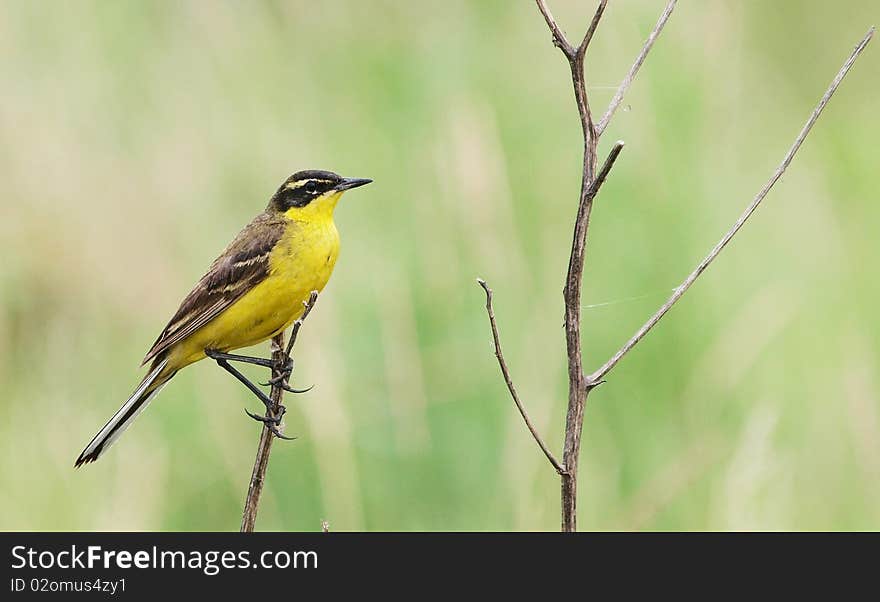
(275, 419)
(280, 381)
(282, 376)
(272, 422)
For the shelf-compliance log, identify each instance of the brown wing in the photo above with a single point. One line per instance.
(241, 266)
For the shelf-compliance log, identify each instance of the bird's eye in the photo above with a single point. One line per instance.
(311, 186)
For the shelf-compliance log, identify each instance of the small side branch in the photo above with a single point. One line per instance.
(628, 80)
(606, 167)
(588, 37)
(507, 379)
(309, 305)
(684, 286)
(280, 359)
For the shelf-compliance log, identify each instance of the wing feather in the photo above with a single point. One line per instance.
(241, 266)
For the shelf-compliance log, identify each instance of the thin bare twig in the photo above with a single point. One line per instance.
(507, 379)
(559, 39)
(585, 43)
(280, 358)
(630, 76)
(308, 304)
(684, 286)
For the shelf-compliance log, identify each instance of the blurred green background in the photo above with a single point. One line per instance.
(137, 138)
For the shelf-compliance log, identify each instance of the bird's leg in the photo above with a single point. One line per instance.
(245, 359)
(284, 371)
(275, 412)
(223, 363)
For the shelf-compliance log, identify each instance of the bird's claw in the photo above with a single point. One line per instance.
(288, 366)
(267, 420)
(284, 371)
(271, 422)
(280, 380)
(276, 380)
(287, 387)
(290, 389)
(274, 430)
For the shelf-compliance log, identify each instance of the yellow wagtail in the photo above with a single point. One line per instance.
(253, 291)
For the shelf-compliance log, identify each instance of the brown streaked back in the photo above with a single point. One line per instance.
(241, 266)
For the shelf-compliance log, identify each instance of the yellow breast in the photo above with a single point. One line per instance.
(301, 262)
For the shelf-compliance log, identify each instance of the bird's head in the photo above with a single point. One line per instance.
(312, 193)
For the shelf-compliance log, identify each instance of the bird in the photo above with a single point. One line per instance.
(254, 290)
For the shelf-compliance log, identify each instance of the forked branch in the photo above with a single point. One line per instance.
(592, 179)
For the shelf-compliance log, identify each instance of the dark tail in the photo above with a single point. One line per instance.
(144, 394)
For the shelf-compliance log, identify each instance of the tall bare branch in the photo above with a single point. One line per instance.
(591, 181)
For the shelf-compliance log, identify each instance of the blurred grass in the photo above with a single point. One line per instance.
(136, 138)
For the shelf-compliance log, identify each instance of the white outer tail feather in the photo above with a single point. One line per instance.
(114, 428)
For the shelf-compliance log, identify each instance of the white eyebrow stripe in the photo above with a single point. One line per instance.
(301, 183)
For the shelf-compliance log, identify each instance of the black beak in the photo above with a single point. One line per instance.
(349, 183)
